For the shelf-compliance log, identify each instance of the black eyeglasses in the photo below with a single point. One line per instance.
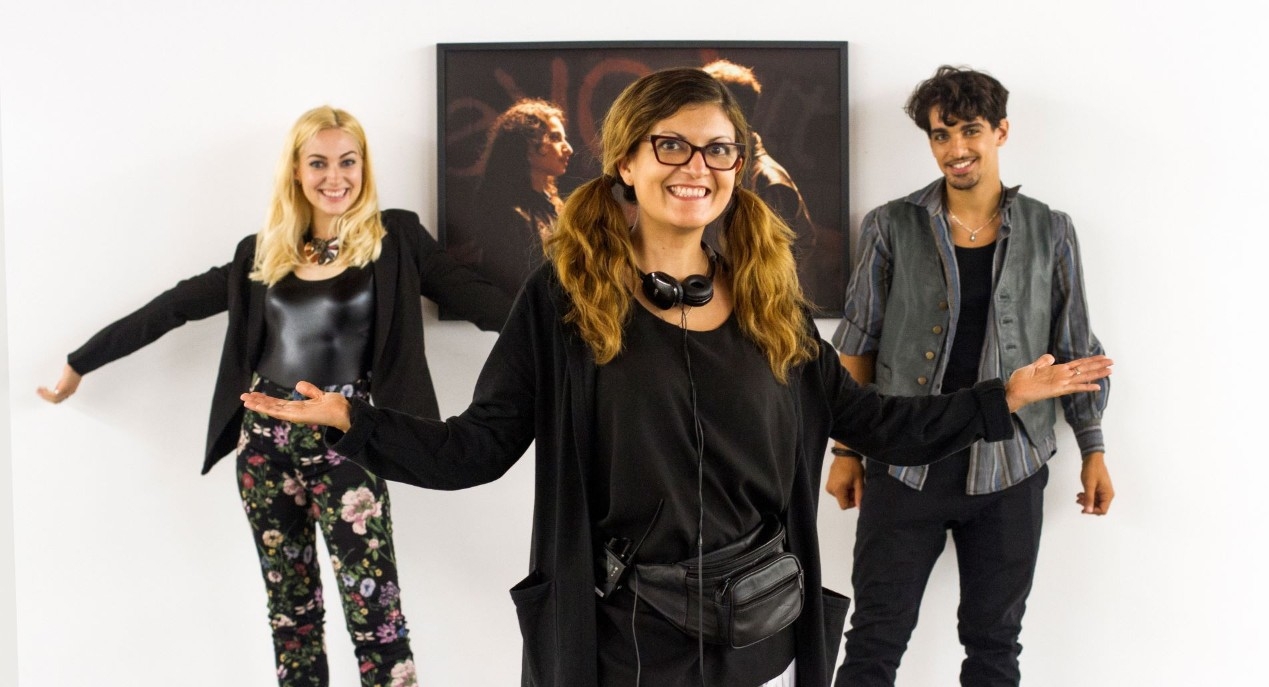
(674, 151)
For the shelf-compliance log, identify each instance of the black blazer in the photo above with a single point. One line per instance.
(411, 264)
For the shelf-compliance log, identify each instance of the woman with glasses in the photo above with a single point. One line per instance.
(679, 401)
(328, 292)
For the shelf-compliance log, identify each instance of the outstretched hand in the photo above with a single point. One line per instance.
(321, 407)
(64, 388)
(1044, 379)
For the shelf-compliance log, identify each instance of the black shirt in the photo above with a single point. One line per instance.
(975, 268)
(647, 452)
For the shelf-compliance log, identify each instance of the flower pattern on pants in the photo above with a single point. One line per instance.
(291, 485)
(360, 506)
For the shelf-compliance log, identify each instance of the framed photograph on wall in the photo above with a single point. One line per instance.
(506, 107)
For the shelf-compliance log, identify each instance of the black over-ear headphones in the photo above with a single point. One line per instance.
(696, 290)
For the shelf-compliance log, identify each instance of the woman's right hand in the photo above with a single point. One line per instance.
(64, 388)
(1044, 379)
(322, 407)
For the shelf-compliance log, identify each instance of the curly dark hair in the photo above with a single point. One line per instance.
(518, 129)
(961, 95)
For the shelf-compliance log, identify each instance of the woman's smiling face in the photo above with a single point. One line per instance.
(329, 171)
(681, 197)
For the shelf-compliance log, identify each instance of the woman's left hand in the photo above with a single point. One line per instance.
(64, 388)
(322, 407)
(1043, 379)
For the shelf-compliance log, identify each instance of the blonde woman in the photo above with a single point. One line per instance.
(679, 401)
(328, 291)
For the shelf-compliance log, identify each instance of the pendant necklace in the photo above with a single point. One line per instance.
(973, 233)
(321, 251)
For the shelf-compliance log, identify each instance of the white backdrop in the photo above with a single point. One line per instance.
(138, 140)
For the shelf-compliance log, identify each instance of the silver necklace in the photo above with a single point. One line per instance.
(973, 233)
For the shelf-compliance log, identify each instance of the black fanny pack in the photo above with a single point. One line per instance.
(747, 590)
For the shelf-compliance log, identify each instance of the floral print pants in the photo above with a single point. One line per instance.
(289, 484)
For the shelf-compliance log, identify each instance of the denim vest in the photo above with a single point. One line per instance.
(919, 325)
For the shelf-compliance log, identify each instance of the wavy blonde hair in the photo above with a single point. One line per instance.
(360, 230)
(594, 257)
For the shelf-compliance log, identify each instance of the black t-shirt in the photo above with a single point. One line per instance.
(647, 452)
(975, 268)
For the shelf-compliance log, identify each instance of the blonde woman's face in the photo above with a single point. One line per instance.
(329, 172)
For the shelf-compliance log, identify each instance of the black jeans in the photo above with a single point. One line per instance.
(900, 534)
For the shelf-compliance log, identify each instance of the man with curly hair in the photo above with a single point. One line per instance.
(954, 283)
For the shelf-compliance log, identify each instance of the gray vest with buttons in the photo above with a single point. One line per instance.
(914, 340)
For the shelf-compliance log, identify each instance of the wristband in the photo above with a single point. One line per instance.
(845, 452)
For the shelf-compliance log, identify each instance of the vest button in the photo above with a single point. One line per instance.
(942, 305)
(929, 355)
(922, 381)
(938, 329)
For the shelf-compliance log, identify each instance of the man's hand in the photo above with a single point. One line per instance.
(1098, 491)
(846, 481)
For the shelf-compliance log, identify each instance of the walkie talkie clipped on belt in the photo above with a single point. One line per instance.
(617, 558)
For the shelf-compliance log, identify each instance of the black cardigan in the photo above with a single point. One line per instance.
(410, 264)
(538, 385)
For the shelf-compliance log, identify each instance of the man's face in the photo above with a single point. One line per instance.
(967, 152)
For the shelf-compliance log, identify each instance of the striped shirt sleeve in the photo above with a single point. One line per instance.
(863, 315)
(1072, 334)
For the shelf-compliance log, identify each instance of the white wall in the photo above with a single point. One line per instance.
(8, 608)
(138, 141)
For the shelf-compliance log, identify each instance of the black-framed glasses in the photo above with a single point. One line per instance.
(674, 151)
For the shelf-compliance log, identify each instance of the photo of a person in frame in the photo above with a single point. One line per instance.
(799, 163)
(516, 202)
(818, 253)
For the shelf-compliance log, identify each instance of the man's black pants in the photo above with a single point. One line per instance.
(900, 534)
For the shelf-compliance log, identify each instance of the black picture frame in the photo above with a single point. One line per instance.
(801, 117)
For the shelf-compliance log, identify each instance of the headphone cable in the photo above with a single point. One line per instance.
(700, 499)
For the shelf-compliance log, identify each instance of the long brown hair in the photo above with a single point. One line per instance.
(594, 258)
